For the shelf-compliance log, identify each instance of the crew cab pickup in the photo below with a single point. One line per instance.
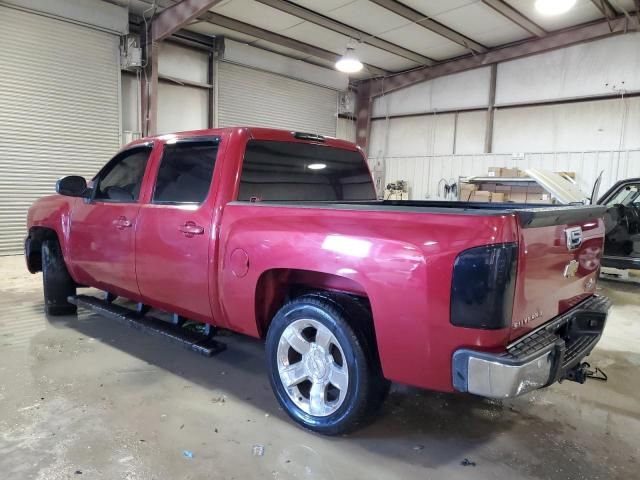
(279, 235)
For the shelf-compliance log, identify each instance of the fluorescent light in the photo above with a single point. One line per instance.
(554, 7)
(316, 166)
(349, 63)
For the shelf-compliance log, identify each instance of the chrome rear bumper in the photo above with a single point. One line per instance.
(536, 360)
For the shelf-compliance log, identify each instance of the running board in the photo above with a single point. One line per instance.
(175, 333)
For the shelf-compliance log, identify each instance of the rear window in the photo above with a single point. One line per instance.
(289, 171)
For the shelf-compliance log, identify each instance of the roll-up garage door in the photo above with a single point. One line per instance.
(59, 110)
(253, 97)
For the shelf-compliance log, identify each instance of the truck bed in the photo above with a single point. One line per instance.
(529, 215)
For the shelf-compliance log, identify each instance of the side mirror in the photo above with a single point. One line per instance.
(72, 186)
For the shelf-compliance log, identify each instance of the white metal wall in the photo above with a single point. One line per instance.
(181, 106)
(59, 110)
(257, 98)
(424, 172)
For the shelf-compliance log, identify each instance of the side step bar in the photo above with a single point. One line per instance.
(188, 339)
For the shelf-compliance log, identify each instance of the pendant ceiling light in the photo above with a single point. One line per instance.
(349, 63)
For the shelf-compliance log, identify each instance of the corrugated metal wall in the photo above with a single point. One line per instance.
(262, 99)
(59, 110)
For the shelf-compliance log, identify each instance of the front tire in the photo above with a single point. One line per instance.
(57, 283)
(321, 367)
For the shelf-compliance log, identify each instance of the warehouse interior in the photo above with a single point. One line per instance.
(454, 100)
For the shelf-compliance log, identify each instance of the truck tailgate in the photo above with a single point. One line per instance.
(558, 262)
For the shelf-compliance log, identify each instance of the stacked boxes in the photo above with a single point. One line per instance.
(499, 190)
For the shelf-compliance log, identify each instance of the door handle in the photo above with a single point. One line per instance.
(121, 223)
(190, 229)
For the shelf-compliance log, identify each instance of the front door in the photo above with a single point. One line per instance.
(102, 249)
(174, 233)
(622, 224)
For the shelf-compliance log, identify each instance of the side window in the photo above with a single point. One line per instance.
(627, 195)
(121, 179)
(185, 173)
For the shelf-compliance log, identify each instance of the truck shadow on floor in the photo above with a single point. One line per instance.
(420, 427)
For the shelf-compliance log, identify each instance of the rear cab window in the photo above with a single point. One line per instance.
(296, 171)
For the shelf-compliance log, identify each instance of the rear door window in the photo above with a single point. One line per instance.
(185, 172)
(295, 171)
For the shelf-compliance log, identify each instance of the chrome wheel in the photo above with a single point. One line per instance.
(312, 367)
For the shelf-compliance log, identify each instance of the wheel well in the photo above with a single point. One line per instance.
(37, 235)
(278, 286)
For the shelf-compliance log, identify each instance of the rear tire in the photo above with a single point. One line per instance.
(57, 283)
(321, 365)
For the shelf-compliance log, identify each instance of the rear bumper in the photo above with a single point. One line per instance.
(536, 360)
(622, 263)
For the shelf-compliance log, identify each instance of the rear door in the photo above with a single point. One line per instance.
(175, 232)
(558, 263)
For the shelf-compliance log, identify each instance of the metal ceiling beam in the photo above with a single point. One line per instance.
(173, 18)
(605, 8)
(553, 41)
(420, 19)
(278, 39)
(334, 25)
(516, 17)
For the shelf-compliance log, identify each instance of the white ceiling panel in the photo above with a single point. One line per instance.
(436, 7)
(258, 14)
(420, 40)
(368, 17)
(583, 11)
(335, 42)
(482, 24)
(323, 6)
(384, 24)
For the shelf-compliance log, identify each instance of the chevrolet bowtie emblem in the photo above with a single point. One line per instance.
(571, 269)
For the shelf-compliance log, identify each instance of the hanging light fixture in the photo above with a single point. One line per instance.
(554, 7)
(349, 63)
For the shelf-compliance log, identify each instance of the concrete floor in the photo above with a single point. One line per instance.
(89, 398)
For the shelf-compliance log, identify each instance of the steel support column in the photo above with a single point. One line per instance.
(363, 116)
(488, 138)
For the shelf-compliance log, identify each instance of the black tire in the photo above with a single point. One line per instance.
(366, 387)
(58, 284)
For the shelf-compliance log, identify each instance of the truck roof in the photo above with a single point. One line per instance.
(259, 133)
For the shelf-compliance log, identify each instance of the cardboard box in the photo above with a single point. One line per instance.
(480, 196)
(497, 197)
(522, 174)
(468, 186)
(488, 187)
(494, 172)
(518, 197)
(509, 172)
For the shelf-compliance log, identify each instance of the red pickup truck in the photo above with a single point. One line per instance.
(279, 235)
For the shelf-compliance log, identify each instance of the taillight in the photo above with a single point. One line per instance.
(483, 285)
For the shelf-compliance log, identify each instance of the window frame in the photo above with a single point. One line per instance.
(213, 139)
(110, 165)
